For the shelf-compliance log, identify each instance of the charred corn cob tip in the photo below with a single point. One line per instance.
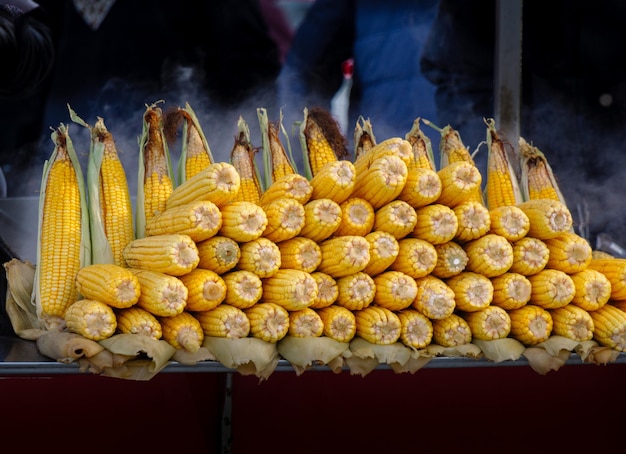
(277, 163)
(530, 324)
(530, 255)
(396, 217)
(473, 220)
(510, 290)
(219, 254)
(323, 139)
(378, 325)
(510, 222)
(357, 217)
(327, 290)
(344, 255)
(610, 327)
(416, 329)
(218, 183)
(451, 260)
(451, 331)
(182, 331)
(364, 139)
(206, 289)
(243, 221)
(593, 289)
(321, 219)
(224, 321)
(261, 256)
(538, 180)
(572, 322)
(355, 291)
(300, 253)
(548, 218)
(384, 249)
(459, 181)
(394, 290)
(108, 283)
(472, 291)
(436, 223)
(268, 321)
(489, 323)
(434, 299)
(502, 186)
(382, 181)
(334, 181)
(200, 220)
(91, 319)
(305, 323)
(423, 187)
(174, 254)
(339, 323)
(243, 288)
(161, 294)
(421, 147)
(489, 255)
(615, 271)
(291, 289)
(551, 288)
(135, 320)
(416, 257)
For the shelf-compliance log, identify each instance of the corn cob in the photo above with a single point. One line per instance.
(530, 255)
(109, 283)
(224, 321)
(615, 271)
(451, 331)
(416, 257)
(436, 223)
(339, 323)
(609, 324)
(205, 289)
(321, 219)
(285, 219)
(182, 331)
(305, 323)
(593, 289)
(472, 291)
(384, 249)
(355, 291)
(334, 181)
(174, 254)
(509, 221)
(382, 181)
(489, 323)
(344, 255)
(423, 157)
(135, 320)
(268, 321)
(422, 187)
(510, 290)
(502, 186)
(378, 325)
(538, 181)
(91, 319)
(416, 329)
(548, 218)
(394, 146)
(396, 217)
(300, 253)
(434, 299)
(218, 183)
(242, 158)
(572, 322)
(63, 243)
(200, 220)
(489, 255)
(327, 290)
(243, 288)
(394, 290)
(321, 140)
(275, 160)
(551, 289)
(260, 256)
(195, 154)
(294, 186)
(460, 182)
(291, 289)
(569, 252)
(530, 324)
(364, 138)
(243, 221)
(473, 221)
(357, 217)
(161, 294)
(451, 260)
(218, 254)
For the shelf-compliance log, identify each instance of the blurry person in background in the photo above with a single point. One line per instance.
(573, 94)
(385, 40)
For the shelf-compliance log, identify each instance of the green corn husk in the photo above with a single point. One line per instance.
(190, 121)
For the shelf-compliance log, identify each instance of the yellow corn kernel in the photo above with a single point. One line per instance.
(538, 181)
(218, 183)
(305, 323)
(200, 220)
(243, 288)
(572, 322)
(195, 154)
(285, 219)
(357, 217)
(502, 186)
(530, 255)
(384, 249)
(460, 181)
(274, 156)
(109, 283)
(416, 257)
(242, 158)
(205, 289)
(243, 221)
(434, 299)
(610, 327)
(219, 254)
(472, 291)
(551, 289)
(473, 221)
(339, 323)
(300, 253)
(436, 223)
(422, 187)
(416, 329)
(344, 255)
(91, 319)
(421, 147)
(260, 256)
(569, 252)
(548, 218)
(291, 289)
(451, 260)
(268, 321)
(489, 323)
(597, 254)
(182, 331)
(224, 321)
(382, 181)
(174, 254)
(511, 290)
(451, 331)
(334, 181)
(530, 324)
(294, 186)
(396, 217)
(327, 290)
(161, 294)
(593, 289)
(321, 139)
(135, 320)
(489, 255)
(510, 222)
(394, 290)
(355, 291)
(378, 325)
(393, 146)
(615, 271)
(321, 219)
